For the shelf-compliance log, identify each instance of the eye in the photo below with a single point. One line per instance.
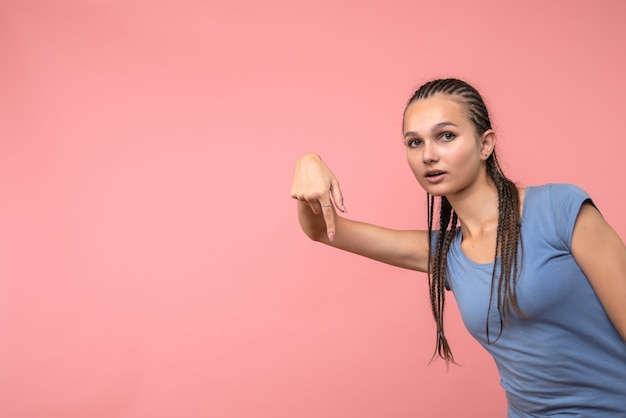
(447, 136)
(413, 143)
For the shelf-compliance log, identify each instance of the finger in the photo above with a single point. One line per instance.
(329, 218)
(335, 191)
(314, 205)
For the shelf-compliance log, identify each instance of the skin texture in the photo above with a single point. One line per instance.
(601, 254)
(448, 158)
(439, 138)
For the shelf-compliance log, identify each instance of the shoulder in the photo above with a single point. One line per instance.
(558, 190)
(558, 197)
(555, 207)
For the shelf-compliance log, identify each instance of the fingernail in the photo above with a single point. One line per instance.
(331, 236)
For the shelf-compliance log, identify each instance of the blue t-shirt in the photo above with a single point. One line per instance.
(567, 359)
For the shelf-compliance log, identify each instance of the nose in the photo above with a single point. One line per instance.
(429, 152)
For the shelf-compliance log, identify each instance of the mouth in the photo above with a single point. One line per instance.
(434, 176)
(434, 173)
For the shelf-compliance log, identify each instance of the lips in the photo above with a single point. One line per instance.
(434, 173)
(434, 176)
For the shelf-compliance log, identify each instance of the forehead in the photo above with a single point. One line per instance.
(422, 114)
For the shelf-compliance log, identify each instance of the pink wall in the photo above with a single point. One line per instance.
(151, 264)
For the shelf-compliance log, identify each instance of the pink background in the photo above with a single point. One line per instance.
(151, 264)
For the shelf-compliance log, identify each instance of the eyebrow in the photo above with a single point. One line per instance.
(435, 127)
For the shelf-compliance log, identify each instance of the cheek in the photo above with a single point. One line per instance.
(470, 165)
(466, 156)
(412, 160)
(417, 168)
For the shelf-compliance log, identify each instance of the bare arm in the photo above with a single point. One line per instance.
(318, 193)
(601, 255)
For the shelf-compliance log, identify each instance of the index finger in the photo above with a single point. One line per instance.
(329, 219)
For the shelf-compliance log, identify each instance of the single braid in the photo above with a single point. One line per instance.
(507, 239)
(508, 235)
(448, 221)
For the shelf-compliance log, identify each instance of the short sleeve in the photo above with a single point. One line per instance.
(566, 201)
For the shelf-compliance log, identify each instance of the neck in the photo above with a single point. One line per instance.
(476, 207)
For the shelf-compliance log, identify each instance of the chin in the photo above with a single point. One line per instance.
(439, 189)
(436, 194)
(434, 191)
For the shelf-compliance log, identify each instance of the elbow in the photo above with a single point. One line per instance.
(314, 234)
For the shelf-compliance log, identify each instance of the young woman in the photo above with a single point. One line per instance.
(539, 276)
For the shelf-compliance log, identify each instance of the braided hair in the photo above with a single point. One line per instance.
(508, 230)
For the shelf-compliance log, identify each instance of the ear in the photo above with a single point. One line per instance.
(487, 144)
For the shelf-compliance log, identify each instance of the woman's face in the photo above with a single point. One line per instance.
(443, 149)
